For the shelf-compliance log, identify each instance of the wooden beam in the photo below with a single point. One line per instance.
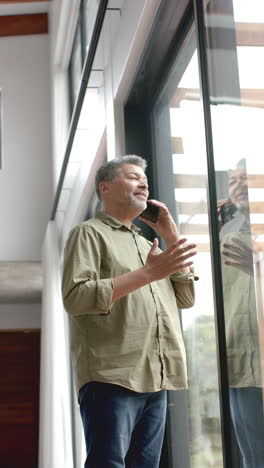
(20, 25)
(249, 97)
(250, 34)
(190, 181)
(200, 181)
(187, 94)
(193, 208)
(252, 97)
(190, 208)
(256, 180)
(188, 229)
(177, 145)
(256, 207)
(204, 247)
(203, 229)
(3, 2)
(257, 229)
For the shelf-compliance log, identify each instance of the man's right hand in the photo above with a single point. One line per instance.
(174, 258)
(223, 217)
(158, 266)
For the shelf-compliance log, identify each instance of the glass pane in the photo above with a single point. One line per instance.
(90, 9)
(75, 65)
(82, 40)
(1, 155)
(180, 153)
(89, 130)
(235, 32)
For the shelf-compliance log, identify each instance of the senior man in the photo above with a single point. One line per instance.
(122, 294)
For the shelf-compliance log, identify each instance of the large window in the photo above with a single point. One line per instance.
(84, 31)
(75, 65)
(180, 158)
(203, 139)
(89, 10)
(236, 85)
(1, 125)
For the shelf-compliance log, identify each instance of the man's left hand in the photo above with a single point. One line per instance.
(239, 256)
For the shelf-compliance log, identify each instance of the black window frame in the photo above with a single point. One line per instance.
(77, 47)
(159, 56)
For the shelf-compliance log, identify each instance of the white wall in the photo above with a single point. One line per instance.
(55, 432)
(16, 316)
(25, 180)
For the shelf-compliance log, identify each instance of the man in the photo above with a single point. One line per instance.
(241, 323)
(122, 293)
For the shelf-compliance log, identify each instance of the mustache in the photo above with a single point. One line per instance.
(244, 194)
(140, 192)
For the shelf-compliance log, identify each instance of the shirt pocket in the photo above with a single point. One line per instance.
(94, 321)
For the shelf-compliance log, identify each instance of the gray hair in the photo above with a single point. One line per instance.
(110, 169)
(241, 164)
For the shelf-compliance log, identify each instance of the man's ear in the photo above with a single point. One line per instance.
(104, 187)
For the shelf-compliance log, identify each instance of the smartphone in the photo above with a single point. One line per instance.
(151, 213)
(227, 211)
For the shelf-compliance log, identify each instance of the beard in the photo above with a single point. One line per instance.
(243, 206)
(241, 201)
(135, 202)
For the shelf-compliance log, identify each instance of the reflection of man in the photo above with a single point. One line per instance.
(241, 322)
(121, 293)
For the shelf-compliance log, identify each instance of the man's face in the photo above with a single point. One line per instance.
(129, 188)
(238, 188)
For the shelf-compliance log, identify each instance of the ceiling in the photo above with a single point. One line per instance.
(20, 17)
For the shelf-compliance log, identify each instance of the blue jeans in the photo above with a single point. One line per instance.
(122, 428)
(248, 419)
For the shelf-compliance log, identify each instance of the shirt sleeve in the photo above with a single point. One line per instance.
(83, 291)
(183, 285)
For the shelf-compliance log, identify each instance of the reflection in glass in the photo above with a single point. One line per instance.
(236, 72)
(179, 136)
(241, 318)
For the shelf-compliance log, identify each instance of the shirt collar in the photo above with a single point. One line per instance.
(115, 223)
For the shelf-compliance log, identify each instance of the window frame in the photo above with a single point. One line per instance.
(154, 69)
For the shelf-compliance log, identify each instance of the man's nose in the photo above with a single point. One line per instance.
(242, 182)
(144, 184)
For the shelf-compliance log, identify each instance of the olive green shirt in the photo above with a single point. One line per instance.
(136, 341)
(242, 338)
